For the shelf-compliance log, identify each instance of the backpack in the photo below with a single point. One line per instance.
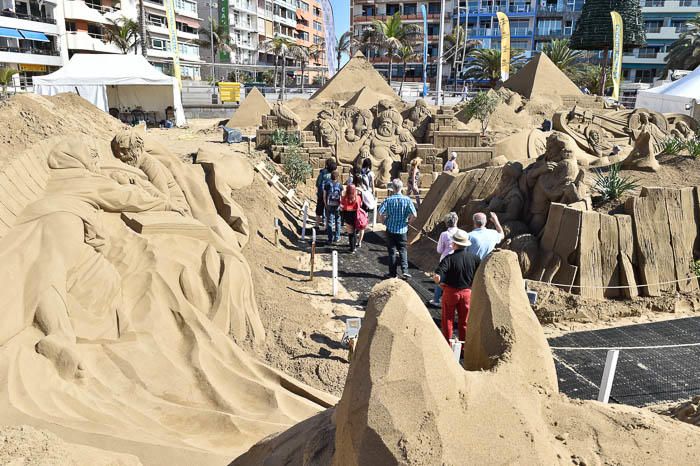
(334, 194)
(323, 178)
(361, 220)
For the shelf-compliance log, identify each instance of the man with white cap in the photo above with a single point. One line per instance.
(455, 275)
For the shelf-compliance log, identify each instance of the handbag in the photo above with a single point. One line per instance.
(369, 200)
(361, 219)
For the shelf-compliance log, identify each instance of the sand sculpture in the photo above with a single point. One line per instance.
(541, 78)
(128, 286)
(407, 401)
(250, 112)
(632, 136)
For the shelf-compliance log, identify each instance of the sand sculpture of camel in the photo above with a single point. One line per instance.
(407, 401)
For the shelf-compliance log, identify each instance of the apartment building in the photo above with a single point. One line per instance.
(187, 23)
(30, 36)
(664, 21)
(310, 32)
(363, 12)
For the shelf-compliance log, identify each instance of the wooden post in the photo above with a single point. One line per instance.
(335, 273)
(608, 375)
(313, 252)
(277, 232)
(305, 215)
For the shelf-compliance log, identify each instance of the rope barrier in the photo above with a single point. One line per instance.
(621, 348)
(613, 287)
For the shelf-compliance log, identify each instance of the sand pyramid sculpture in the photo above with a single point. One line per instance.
(356, 74)
(364, 99)
(541, 78)
(251, 111)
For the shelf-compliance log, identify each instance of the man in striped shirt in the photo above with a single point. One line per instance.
(397, 211)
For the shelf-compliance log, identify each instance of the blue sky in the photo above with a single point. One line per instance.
(341, 16)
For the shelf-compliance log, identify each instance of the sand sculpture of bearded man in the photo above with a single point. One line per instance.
(418, 119)
(128, 146)
(386, 146)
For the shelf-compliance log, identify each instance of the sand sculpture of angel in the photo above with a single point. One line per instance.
(54, 254)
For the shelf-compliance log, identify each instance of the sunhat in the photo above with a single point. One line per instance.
(461, 238)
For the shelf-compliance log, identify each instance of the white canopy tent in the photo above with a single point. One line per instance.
(118, 81)
(682, 96)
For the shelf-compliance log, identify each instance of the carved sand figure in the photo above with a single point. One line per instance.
(57, 246)
(328, 130)
(286, 118)
(648, 143)
(681, 130)
(129, 147)
(386, 146)
(508, 201)
(555, 177)
(357, 122)
(418, 119)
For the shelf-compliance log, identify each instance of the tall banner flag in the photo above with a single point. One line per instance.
(425, 49)
(329, 28)
(504, 25)
(172, 32)
(225, 24)
(617, 53)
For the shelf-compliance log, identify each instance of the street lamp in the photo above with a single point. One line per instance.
(211, 40)
(441, 45)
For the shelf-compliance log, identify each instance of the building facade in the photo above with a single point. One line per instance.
(31, 37)
(56, 29)
(310, 33)
(664, 21)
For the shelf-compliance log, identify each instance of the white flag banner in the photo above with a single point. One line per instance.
(329, 27)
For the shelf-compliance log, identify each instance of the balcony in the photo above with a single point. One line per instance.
(181, 8)
(665, 32)
(644, 57)
(667, 6)
(30, 56)
(36, 19)
(80, 40)
(30, 51)
(549, 32)
(77, 9)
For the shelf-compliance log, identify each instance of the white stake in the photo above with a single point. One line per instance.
(374, 218)
(335, 273)
(305, 211)
(608, 375)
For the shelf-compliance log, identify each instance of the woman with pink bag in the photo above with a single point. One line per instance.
(354, 217)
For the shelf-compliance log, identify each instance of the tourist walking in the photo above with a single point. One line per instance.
(350, 205)
(397, 211)
(332, 192)
(323, 177)
(483, 239)
(369, 197)
(451, 164)
(414, 179)
(455, 275)
(444, 247)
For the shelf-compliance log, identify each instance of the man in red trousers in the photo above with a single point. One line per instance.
(455, 275)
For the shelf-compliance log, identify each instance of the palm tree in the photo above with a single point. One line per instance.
(485, 64)
(300, 53)
(406, 54)
(590, 76)
(142, 29)
(566, 58)
(6, 78)
(317, 52)
(391, 35)
(684, 53)
(279, 46)
(124, 33)
(344, 46)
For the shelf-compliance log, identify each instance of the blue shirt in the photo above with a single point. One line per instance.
(397, 208)
(483, 241)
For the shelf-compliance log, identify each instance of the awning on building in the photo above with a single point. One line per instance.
(36, 36)
(11, 33)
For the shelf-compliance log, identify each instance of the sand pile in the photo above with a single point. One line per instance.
(27, 446)
(28, 118)
(251, 111)
(407, 401)
(356, 74)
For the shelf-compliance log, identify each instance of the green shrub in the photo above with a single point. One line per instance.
(296, 169)
(695, 267)
(481, 107)
(281, 137)
(612, 185)
(672, 146)
(693, 147)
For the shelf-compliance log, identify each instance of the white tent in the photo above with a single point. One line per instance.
(118, 81)
(682, 96)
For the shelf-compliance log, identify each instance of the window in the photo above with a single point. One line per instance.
(186, 6)
(368, 10)
(70, 26)
(433, 29)
(95, 31)
(159, 44)
(410, 9)
(318, 40)
(653, 26)
(681, 25)
(156, 20)
(318, 26)
(303, 35)
(434, 8)
(304, 6)
(549, 27)
(392, 9)
(645, 76)
(317, 11)
(568, 28)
